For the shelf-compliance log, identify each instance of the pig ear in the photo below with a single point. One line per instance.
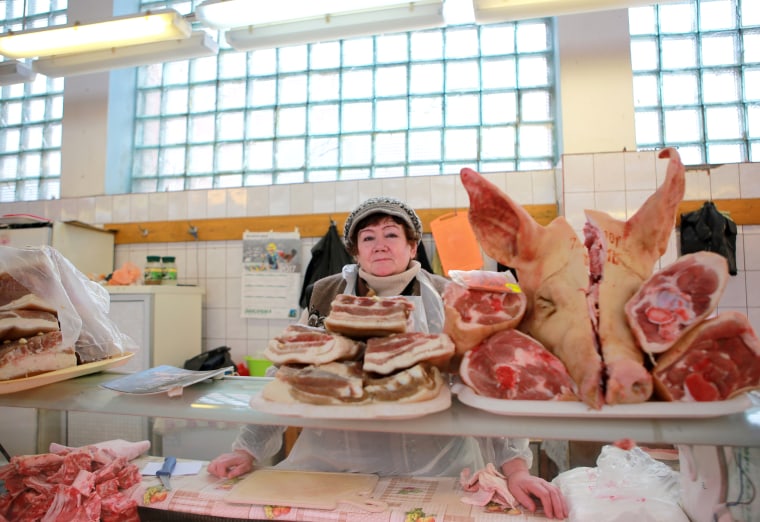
(504, 229)
(654, 221)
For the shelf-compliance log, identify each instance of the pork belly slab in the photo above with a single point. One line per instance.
(388, 354)
(362, 317)
(716, 360)
(31, 356)
(15, 324)
(300, 344)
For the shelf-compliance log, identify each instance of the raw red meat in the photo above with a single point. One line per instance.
(676, 299)
(512, 365)
(473, 314)
(716, 360)
(362, 317)
(388, 354)
(552, 267)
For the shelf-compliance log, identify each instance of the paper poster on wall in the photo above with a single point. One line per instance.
(271, 275)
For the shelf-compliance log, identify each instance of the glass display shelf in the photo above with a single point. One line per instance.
(227, 399)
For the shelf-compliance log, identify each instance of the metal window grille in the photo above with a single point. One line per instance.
(696, 68)
(31, 115)
(407, 104)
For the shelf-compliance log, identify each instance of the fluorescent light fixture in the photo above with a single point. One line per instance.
(401, 17)
(490, 11)
(198, 44)
(13, 71)
(151, 26)
(226, 14)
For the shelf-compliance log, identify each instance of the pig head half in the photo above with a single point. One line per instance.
(577, 311)
(552, 268)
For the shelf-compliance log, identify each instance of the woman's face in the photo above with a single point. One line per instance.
(383, 249)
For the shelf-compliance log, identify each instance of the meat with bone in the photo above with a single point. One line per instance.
(26, 357)
(362, 317)
(676, 299)
(394, 352)
(512, 365)
(15, 324)
(622, 256)
(472, 314)
(300, 344)
(552, 268)
(716, 360)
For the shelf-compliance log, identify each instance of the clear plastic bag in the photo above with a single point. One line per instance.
(626, 485)
(80, 304)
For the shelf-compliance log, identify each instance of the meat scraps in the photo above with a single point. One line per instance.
(716, 360)
(676, 299)
(512, 365)
(82, 484)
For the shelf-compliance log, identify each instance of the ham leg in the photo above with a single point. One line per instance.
(552, 268)
(623, 255)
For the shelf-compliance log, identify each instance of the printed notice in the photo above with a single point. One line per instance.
(271, 275)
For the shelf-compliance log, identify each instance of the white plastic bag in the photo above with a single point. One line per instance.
(626, 486)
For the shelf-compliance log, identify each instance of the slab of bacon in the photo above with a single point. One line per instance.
(26, 357)
(512, 365)
(421, 382)
(80, 484)
(300, 344)
(385, 355)
(716, 360)
(475, 312)
(676, 299)
(361, 317)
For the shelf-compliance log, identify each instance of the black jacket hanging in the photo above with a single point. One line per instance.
(708, 229)
(328, 257)
(422, 257)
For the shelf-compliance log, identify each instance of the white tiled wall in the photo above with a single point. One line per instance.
(615, 182)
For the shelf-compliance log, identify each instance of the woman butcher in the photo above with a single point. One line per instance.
(382, 234)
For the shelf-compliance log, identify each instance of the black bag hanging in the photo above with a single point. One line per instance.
(708, 229)
(210, 360)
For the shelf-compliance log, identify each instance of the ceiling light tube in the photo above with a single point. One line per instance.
(151, 26)
(197, 45)
(402, 17)
(13, 71)
(492, 11)
(226, 14)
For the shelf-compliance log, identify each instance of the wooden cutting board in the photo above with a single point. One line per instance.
(306, 489)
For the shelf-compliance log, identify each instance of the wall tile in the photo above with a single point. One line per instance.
(176, 206)
(418, 192)
(366, 189)
(158, 206)
(613, 203)
(216, 259)
(324, 197)
(215, 326)
(751, 249)
(51, 209)
(443, 191)
(753, 287)
(103, 210)
(394, 187)
(609, 171)
(237, 202)
(634, 200)
(302, 198)
(753, 314)
(122, 208)
(498, 178)
(578, 172)
(575, 204)
(749, 178)
(348, 194)
(279, 200)
(216, 203)
(257, 201)
(640, 171)
(544, 187)
(197, 203)
(520, 187)
(735, 294)
(724, 181)
(697, 185)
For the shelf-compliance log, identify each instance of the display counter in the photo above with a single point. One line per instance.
(228, 400)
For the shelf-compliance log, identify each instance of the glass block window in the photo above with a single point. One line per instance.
(31, 114)
(696, 73)
(407, 104)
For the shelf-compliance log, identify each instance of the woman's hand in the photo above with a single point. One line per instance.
(526, 488)
(231, 465)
